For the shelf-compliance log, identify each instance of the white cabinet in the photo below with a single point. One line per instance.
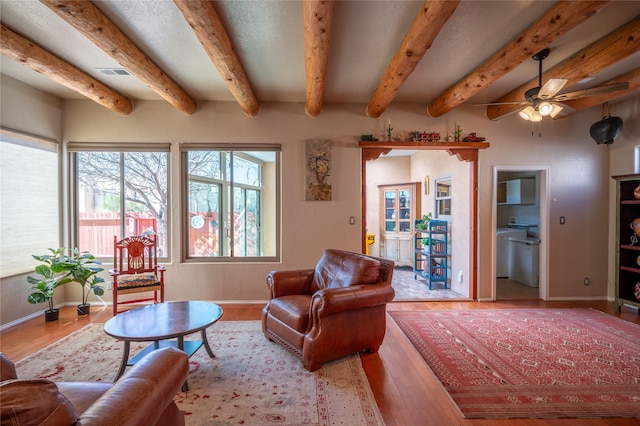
(524, 261)
(517, 191)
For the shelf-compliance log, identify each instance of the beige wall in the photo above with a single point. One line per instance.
(579, 184)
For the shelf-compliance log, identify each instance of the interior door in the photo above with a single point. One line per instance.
(397, 218)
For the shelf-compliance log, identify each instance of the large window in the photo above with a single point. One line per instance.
(231, 197)
(119, 192)
(30, 201)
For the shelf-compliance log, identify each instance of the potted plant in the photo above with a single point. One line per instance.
(53, 273)
(83, 269)
(423, 224)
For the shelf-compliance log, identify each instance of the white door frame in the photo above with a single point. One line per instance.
(545, 208)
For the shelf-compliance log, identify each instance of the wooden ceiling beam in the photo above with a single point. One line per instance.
(591, 60)
(93, 24)
(318, 18)
(430, 20)
(22, 50)
(632, 77)
(558, 20)
(208, 28)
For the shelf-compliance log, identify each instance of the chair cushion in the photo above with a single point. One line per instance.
(292, 310)
(338, 269)
(34, 402)
(137, 281)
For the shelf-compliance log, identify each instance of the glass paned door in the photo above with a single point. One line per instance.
(396, 222)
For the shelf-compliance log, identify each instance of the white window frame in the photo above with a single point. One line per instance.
(438, 197)
(74, 147)
(275, 204)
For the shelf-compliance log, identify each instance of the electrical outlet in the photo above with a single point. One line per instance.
(513, 219)
(586, 281)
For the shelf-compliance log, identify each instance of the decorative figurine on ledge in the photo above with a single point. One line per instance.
(457, 132)
(389, 129)
(471, 137)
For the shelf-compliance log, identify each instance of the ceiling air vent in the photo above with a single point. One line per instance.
(113, 71)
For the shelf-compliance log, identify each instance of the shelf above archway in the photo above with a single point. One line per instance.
(466, 151)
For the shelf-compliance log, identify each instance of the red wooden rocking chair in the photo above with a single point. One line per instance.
(136, 270)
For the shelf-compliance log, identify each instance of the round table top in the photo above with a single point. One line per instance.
(163, 321)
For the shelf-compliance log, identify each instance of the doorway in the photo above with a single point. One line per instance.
(456, 172)
(520, 229)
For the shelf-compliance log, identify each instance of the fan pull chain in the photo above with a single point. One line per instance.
(540, 129)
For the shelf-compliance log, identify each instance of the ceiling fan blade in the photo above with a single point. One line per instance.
(578, 94)
(551, 87)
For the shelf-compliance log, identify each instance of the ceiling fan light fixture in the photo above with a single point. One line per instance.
(545, 108)
(527, 113)
(555, 110)
(536, 116)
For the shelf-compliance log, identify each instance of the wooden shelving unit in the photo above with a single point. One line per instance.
(627, 240)
(431, 258)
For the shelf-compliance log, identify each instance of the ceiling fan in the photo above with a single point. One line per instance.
(544, 100)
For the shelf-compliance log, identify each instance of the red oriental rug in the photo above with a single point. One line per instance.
(531, 363)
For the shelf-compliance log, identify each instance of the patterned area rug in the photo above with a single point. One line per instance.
(531, 363)
(251, 380)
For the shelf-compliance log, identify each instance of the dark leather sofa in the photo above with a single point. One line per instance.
(143, 396)
(334, 310)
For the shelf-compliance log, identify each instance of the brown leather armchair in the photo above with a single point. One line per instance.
(334, 310)
(143, 396)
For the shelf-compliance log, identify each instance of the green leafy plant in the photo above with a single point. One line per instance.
(52, 274)
(423, 224)
(58, 268)
(83, 269)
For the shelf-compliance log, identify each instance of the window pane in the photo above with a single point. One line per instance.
(443, 197)
(204, 214)
(245, 172)
(29, 205)
(102, 176)
(239, 223)
(145, 177)
(205, 164)
(98, 201)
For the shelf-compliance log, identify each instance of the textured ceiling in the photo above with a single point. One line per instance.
(268, 38)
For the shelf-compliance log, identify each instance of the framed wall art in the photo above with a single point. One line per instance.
(317, 174)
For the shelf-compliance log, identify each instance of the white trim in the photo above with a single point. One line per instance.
(19, 321)
(579, 299)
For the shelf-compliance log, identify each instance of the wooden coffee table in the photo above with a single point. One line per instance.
(162, 321)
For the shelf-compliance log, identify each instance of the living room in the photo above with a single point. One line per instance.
(580, 188)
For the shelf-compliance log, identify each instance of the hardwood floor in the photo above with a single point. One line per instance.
(406, 390)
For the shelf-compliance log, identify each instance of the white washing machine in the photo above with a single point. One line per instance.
(502, 249)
